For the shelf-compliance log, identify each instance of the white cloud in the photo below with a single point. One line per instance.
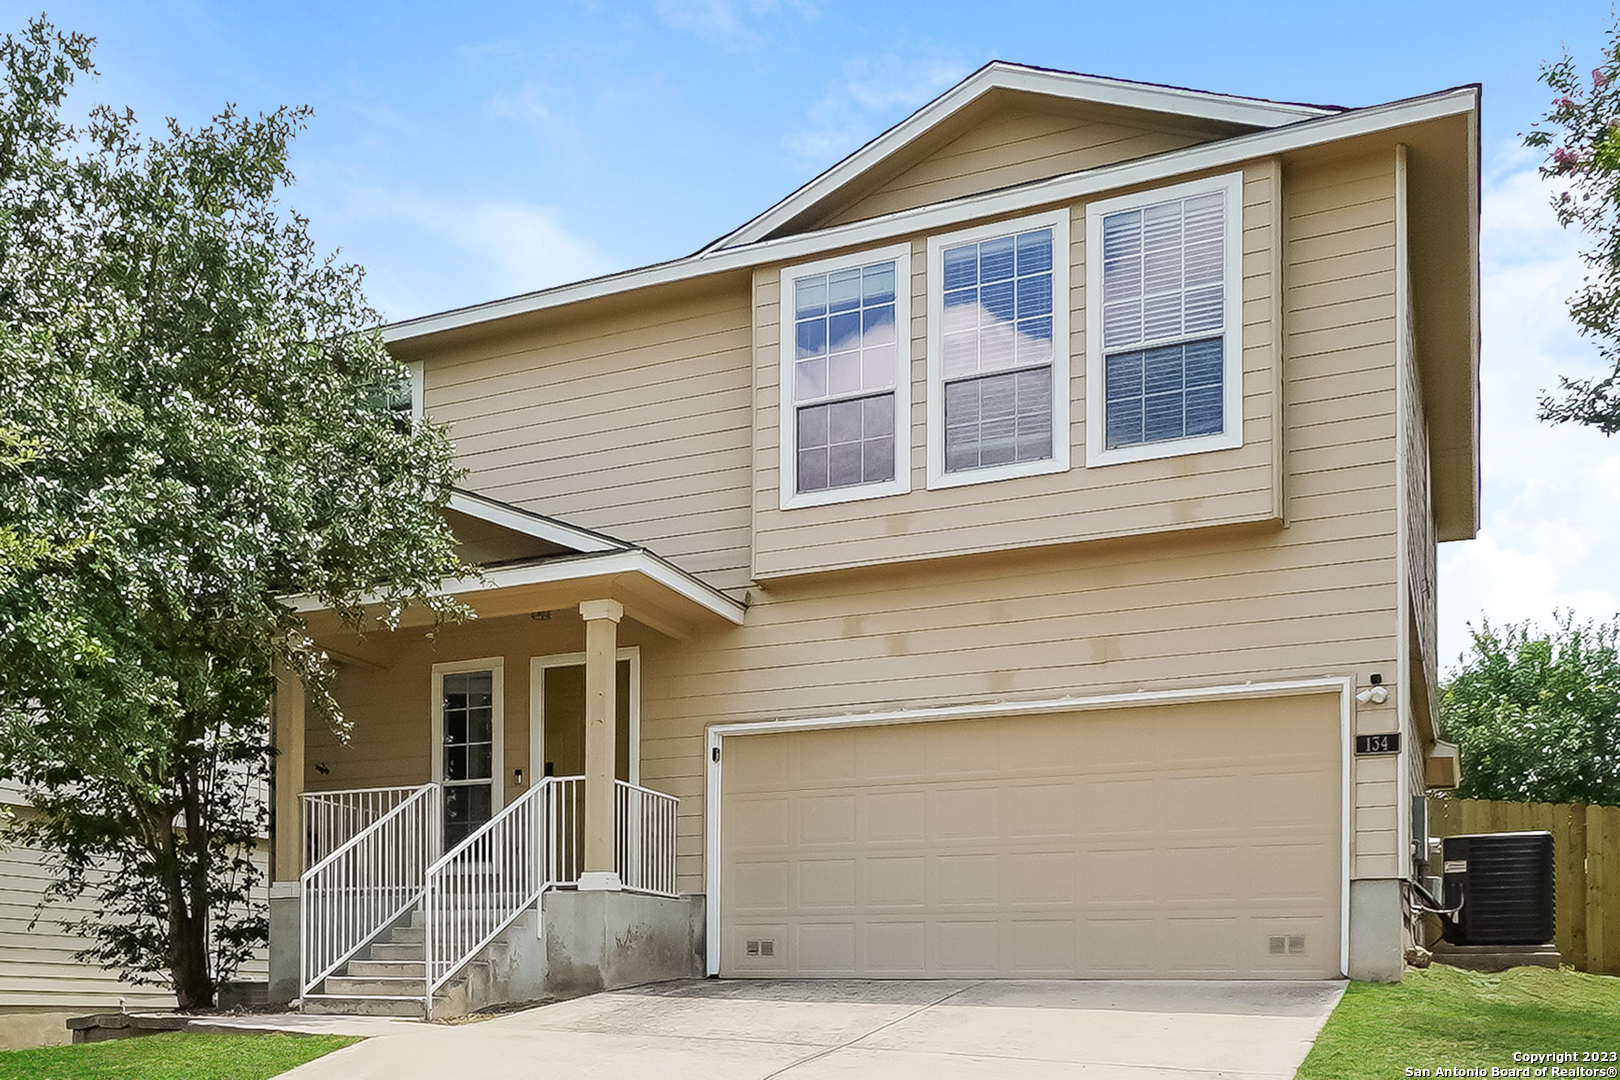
(1551, 509)
(872, 93)
(467, 252)
(727, 23)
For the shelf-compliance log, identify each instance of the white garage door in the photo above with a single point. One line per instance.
(1199, 840)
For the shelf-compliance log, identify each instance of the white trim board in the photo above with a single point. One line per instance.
(890, 227)
(633, 561)
(714, 761)
(521, 521)
(1000, 75)
(538, 666)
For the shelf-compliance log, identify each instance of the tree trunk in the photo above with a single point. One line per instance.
(188, 950)
(188, 903)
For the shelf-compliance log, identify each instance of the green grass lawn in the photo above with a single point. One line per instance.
(1444, 1017)
(171, 1055)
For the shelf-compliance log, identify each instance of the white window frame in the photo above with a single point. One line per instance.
(787, 424)
(1062, 300)
(417, 369)
(496, 665)
(539, 665)
(1231, 435)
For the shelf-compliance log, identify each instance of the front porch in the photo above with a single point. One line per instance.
(391, 922)
(479, 835)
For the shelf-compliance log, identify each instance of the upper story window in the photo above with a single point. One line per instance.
(998, 351)
(1164, 358)
(845, 373)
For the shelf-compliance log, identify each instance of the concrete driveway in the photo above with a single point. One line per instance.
(941, 1030)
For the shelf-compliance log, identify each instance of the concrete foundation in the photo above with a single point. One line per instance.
(26, 1028)
(1495, 957)
(1377, 931)
(608, 940)
(284, 943)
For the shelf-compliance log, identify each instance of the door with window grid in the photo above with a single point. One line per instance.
(467, 752)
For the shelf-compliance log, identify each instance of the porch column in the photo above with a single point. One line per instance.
(287, 835)
(601, 714)
(288, 775)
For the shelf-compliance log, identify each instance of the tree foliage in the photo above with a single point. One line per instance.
(1580, 136)
(196, 411)
(1537, 713)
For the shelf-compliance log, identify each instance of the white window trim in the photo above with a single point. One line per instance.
(1232, 334)
(787, 427)
(538, 666)
(418, 387)
(1062, 300)
(497, 754)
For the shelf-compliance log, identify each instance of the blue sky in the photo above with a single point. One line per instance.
(463, 153)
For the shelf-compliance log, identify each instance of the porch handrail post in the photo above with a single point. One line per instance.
(601, 724)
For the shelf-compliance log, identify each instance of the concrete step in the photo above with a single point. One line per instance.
(379, 986)
(492, 913)
(358, 1005)
(383, 969)
(400, 950)
(408, 935)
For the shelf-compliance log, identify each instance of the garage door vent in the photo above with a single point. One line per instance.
(1287, 944)
(760, 947)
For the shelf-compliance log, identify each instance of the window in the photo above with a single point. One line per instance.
(845, 372)
(1164, 322)
(467, 752)
(998, 351)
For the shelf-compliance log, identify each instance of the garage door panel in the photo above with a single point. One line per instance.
(760, 822)
(827, 883)
(961, 849)
(896, 816)
(896, 882)
(897, 949)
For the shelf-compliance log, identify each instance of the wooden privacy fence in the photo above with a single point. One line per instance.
(1586, 867)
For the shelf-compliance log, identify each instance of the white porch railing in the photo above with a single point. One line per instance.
(330, 818)
(485, 882)
(368, 881)
(644, 838)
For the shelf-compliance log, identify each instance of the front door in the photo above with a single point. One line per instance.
(557, 721)
(467, 727)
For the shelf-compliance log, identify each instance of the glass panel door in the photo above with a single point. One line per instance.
(469, 753)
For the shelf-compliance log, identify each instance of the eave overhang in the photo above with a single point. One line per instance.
(654, 593)
(412, 337)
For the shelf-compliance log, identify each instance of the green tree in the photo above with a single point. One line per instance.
(201, 424)
(1537, 713)
(1580, 136)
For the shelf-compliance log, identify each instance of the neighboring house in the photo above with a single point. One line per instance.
(38, 972)
(996, 547)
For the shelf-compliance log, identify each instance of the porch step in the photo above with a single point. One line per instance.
(384, 969)
(362, 1005)
(400, 950)
(376, 986)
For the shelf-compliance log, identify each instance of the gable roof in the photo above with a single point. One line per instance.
(998, 76)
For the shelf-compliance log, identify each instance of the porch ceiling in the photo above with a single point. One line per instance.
(654, 593)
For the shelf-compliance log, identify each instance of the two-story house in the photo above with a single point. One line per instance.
(980, 563)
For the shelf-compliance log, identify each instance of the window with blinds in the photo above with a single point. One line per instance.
(998, 351)
(1167, 365)
(844, 362)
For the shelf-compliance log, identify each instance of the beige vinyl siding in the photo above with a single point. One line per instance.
(1017, 146)
(1221, 488)
(539, 420)
(37, 969)
(1164, 608)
